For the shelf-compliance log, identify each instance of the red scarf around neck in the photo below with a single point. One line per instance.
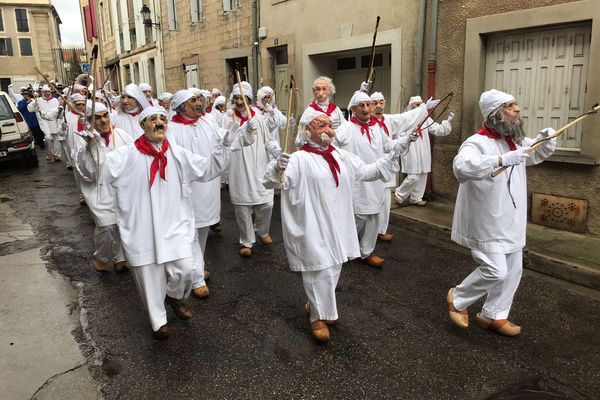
(382, 125)
(330, 108)
(364, 126)
(106, 136)
(182, 119)
(489, 132)
(331, 161)
(241, 117)
(160, 158)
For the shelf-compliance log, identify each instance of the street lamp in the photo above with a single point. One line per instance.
(145, 13)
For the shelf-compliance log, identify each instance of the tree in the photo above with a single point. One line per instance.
(74, 67)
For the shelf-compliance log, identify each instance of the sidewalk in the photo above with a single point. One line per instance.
(564, 255)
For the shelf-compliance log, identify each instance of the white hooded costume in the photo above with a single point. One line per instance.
(271, 108)
(128, 121)
(47, 112)
(490, 215)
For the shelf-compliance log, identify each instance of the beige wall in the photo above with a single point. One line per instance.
(43, 32)
(312, 26)
(455, 34)
(208, 43)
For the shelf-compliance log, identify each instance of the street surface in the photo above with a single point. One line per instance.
(250, 339)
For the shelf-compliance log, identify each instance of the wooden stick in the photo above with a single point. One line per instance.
(239, 81)
(55, 89)
(370, 70)
(287, 122)
(531, 149)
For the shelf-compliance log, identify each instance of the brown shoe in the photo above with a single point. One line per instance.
(421, 203)
(265, 239)
(327, 321)
(387, 237)
(121, 266)
(201, 292)
(458, 318)
(320, 331)
(101, 266)
(216, 227)
(49, 157)
(179, 308)
(82, 201)
(373, 261)
(162, 333)
(206, 276)
(57, 159)
(245, 251)
(501, 326)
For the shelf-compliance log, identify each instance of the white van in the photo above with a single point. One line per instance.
(16, 140)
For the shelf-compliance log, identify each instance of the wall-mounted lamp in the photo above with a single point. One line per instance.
(145, 13)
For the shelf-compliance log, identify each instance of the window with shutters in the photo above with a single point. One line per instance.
(196, 10)
(172, 14)
(1, 21)
(230, 5)
(546, 71)
(25, 45)
(6, 47)
(21, 19)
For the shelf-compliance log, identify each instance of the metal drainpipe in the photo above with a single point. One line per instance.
(420, 43)
(431, 68)
(255, 43)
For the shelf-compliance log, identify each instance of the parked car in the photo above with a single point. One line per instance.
(16, 140)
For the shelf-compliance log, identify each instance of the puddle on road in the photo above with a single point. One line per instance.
(534, 388)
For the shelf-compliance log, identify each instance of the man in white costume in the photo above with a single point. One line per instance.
(366, 139)
(75, 127)
(148, 92)
(317, 210)
(265, 102)
(490, 216)
(164, 101)
(47, 112)
(100, 198)
(151, 178)
(131, 104)
(218, 109)
(416, 163)
(247, 167)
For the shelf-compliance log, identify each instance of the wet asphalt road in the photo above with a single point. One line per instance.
(250, 338)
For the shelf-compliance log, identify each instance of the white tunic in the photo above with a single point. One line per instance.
(128, 122)
(100, 198)
(46, 112)
(73, 130)
(155, 223)
(485, 218)
(248, 164)
(201, 138)
(418, 158)
(317, 217)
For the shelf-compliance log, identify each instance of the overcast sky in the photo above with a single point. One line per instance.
(71, 29)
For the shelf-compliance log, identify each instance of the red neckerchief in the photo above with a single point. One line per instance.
(106, 136)
(420, 130)
(489, 132)
(381, 123)
(133, 114)
(79, 123)
(182, 119)
(330, 108)
(241, 117)
(209, 109)
(160, 159)
(364, 126)
(331, 161)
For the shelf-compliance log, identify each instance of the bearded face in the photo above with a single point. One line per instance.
(507, 121)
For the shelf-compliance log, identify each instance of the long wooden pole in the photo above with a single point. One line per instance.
(239, 82)
(531, 149)
(370, 70)
(287, 122)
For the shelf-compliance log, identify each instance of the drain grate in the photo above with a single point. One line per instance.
(559, 212)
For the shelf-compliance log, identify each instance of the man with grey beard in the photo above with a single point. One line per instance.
(490, 216)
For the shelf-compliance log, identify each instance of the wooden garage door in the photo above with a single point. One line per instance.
(546, 71)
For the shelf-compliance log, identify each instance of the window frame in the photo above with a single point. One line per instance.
(173, 23)
(1, 20)
(196, 11)
(19, 39)
(8, 47)
(26, 19)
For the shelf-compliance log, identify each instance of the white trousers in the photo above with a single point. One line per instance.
(412, 188)
(155, 281)
(52, 144)
(367, 227)
(107, 244)
(198, 248)
(498, 277)
(383, 218)
(320, 290)
(261, 224)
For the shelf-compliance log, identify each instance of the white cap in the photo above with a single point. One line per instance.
(216, 91)
(180, 97)
(46, 88)
(308, 116)
(165, 96)
(148, 111)
(144, 87)
(491, 100)
(66, 90)
(415, 99)
(205, 93)
(356, 99)
(195, 90)
(99, 108)
(235, 91)
(263, 91)
(77, 86)
(76, 97)
(133, 90)
(219, 100)
(376, 96)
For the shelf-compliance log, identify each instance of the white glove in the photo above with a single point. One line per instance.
(282, 161)
(276, 152)
(251, 125)
(544, 133)
(514, 157)
(106, 86)
(269, 108)
(364, 87)
(229, 137)
(431, 103)
(401, 144)
(292, 121)
(450, 116)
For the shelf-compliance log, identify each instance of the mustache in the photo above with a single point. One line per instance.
(159, 127)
